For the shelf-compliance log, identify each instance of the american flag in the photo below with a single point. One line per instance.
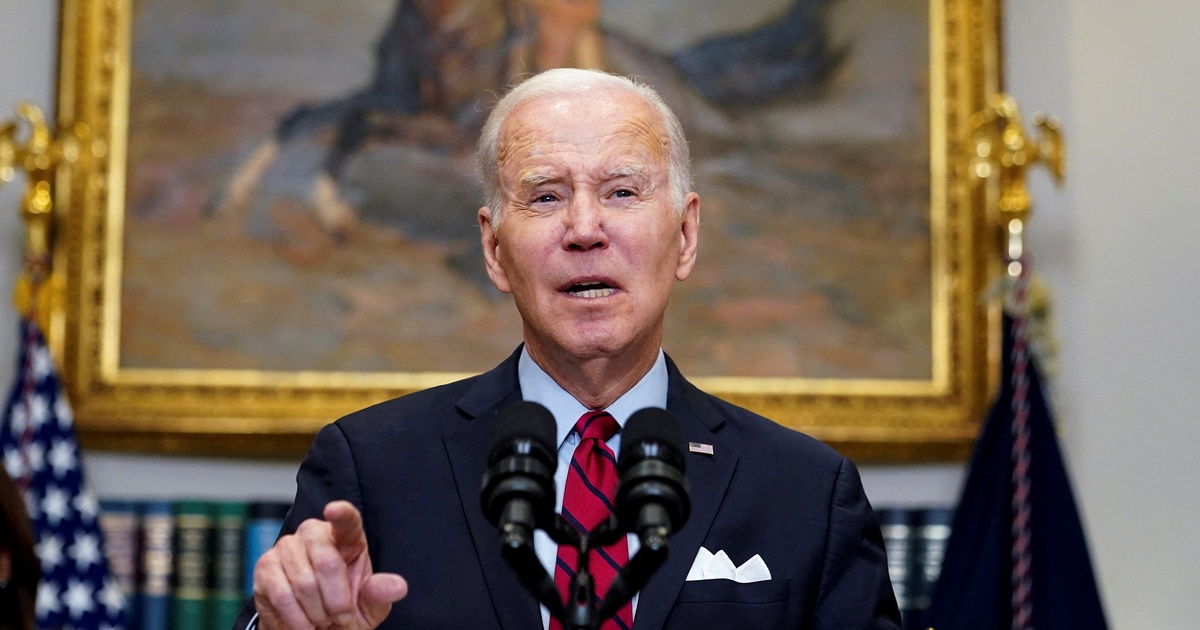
(38, 444)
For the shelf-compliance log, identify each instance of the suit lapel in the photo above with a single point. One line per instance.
(708, 477)
(467, 448)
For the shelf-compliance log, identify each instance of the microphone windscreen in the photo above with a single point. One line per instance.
(523, 420)
(651, 426)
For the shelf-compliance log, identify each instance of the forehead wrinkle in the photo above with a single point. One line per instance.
(509, 145)
(638, 129)
(645, 128)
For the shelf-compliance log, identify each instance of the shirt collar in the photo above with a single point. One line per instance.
(538, 387)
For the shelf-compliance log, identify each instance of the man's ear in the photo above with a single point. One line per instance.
(689, 236)
(490, 241)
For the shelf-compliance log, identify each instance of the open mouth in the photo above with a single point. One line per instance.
(590, 290)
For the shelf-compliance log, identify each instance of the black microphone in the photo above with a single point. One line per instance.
(518, 493)
(652, 498)
(518, 487)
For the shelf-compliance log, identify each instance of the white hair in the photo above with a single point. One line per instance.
(563, 81)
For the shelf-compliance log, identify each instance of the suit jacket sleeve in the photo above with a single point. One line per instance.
(328, 473)
(855, 567)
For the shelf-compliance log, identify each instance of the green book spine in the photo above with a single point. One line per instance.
(228, 544)
(193, 544)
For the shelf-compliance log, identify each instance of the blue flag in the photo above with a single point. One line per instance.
(977, 589)
(37, 440)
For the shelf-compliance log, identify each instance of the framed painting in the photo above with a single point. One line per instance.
(273, 220)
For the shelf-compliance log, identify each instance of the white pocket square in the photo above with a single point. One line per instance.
(718, 566)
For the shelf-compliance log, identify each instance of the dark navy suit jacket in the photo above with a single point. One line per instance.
(413, 467)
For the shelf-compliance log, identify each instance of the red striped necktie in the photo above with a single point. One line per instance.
(587, 501)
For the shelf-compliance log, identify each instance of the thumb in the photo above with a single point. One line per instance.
(377, 595)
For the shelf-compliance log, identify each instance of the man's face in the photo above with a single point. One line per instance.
(590, 240)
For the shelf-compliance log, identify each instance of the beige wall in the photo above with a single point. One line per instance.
(1119, 245)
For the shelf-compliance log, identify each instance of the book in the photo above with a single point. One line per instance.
(120, 523)
(193, 556)
(158, 530)
(228, 554)
(931, 534)
(187, 564)
(897, 526)
(264, 519)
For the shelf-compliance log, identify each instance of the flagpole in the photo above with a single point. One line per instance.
(36, 158)
(37, 436)
(37, 154)
(1003, 152)
(998, 573)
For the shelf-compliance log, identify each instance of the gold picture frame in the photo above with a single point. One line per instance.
(275, 412)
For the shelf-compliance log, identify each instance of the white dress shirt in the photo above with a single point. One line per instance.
(538, 387)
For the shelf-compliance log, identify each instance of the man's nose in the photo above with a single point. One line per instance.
(585, 227)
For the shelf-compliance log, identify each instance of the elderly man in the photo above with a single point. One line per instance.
(590, 220)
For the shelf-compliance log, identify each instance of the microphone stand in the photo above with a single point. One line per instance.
(516, 547)
(577, 613)
(655, 543)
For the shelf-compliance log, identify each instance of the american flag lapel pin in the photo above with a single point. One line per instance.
(703, 449)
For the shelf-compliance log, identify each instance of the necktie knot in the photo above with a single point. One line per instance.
(596, 425)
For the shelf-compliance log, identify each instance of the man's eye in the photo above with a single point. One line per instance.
(547, 198)
(623, 193)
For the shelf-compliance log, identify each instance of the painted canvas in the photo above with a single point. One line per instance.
(301, 188)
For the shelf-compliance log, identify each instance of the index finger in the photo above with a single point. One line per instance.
(346, 529)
